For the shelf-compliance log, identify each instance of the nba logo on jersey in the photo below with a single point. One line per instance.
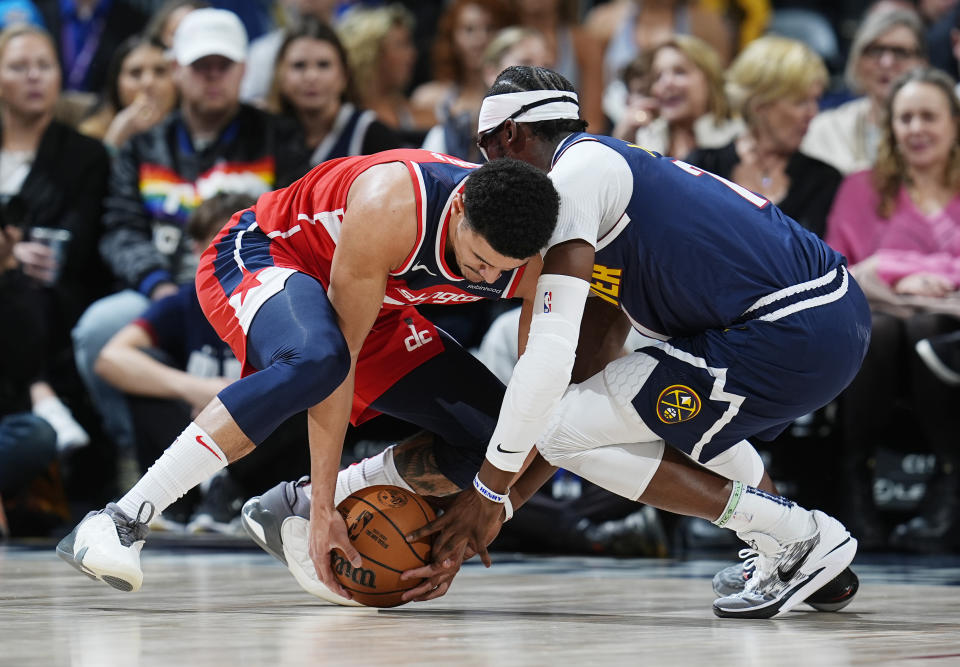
(547, 302)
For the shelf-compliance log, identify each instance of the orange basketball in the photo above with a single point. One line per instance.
(377, 519)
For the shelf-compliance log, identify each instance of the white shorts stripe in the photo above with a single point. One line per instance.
(810, 303)
(796, 289)
(237, 242)
(284, 235)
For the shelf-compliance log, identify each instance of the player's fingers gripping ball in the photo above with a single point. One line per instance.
(377, 519)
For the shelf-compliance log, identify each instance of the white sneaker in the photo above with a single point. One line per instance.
(106, 546)
(70, 435)
(786, 574)
(295, 532)
(279, 522)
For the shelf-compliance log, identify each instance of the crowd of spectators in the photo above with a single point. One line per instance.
(130, 131)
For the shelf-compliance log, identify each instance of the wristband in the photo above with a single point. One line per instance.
(507, 508)
(482, 489)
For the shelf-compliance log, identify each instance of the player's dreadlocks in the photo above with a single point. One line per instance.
(522, 78)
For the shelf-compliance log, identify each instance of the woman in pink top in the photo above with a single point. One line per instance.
(899, 226)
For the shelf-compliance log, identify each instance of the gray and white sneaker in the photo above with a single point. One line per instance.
(279, 522)
(787, 574)
(106, 546)
(834, 596)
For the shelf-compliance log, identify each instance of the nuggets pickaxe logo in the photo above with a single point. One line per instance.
(677, 403)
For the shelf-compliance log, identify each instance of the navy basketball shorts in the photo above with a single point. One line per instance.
(705, 393)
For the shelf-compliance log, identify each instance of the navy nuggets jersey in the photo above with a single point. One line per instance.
(303, 224)
(693, 251)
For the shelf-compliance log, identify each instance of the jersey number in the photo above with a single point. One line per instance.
(751, 197)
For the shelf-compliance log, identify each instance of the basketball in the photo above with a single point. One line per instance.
(377, 519)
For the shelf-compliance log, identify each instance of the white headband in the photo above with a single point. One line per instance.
(528, 107)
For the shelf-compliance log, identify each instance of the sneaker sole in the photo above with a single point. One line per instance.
(66, 553)
(831, 564)
(260, 522)
(849, 584)
(834, 596)
(310, 584)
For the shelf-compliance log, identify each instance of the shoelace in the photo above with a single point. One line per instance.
(763, 565)
(132, 530)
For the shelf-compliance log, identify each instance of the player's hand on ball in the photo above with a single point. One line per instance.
(328, 532)
(437, 578)
(468, 525)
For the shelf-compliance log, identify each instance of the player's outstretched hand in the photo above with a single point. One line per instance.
(437, 578)
(329, 532)
(469, 524)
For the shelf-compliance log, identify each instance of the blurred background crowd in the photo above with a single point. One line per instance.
(130, 131)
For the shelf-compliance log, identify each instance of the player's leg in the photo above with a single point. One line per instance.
(456, 400)
(452, 396)
(599, 415)
(303, 358)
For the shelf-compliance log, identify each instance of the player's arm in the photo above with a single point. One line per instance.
(595, 184)
(589, 197)
(603, 334)
(125, 365)
(378, 230)
(541, 375)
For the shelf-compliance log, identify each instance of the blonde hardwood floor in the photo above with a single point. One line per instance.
(243, 608)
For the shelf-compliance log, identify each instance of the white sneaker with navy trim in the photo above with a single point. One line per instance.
(786, 574)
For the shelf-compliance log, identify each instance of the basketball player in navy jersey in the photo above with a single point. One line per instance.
(315, 289)
(752, 323)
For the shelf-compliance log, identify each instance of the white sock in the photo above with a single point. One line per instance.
(192, 458)
(750, 510)
(379, 469)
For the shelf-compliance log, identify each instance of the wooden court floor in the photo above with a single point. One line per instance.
(240, 607)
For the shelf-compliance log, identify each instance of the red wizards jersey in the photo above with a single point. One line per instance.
(304, 220)
(296, 229)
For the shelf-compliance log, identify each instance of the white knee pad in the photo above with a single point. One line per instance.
(589, 417)
(622, 469)
(741, 463)
(602, 439)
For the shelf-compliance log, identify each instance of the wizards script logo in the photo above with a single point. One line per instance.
(677, 403)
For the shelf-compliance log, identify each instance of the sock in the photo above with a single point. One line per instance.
(192, 458)
(379, 469)
(750, 510)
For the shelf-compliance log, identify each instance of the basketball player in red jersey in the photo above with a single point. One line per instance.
(315, 289)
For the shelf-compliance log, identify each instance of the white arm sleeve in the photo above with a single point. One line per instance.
(543, 371)
(595, 184)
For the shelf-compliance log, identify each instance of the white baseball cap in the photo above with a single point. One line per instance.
(209, 32)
